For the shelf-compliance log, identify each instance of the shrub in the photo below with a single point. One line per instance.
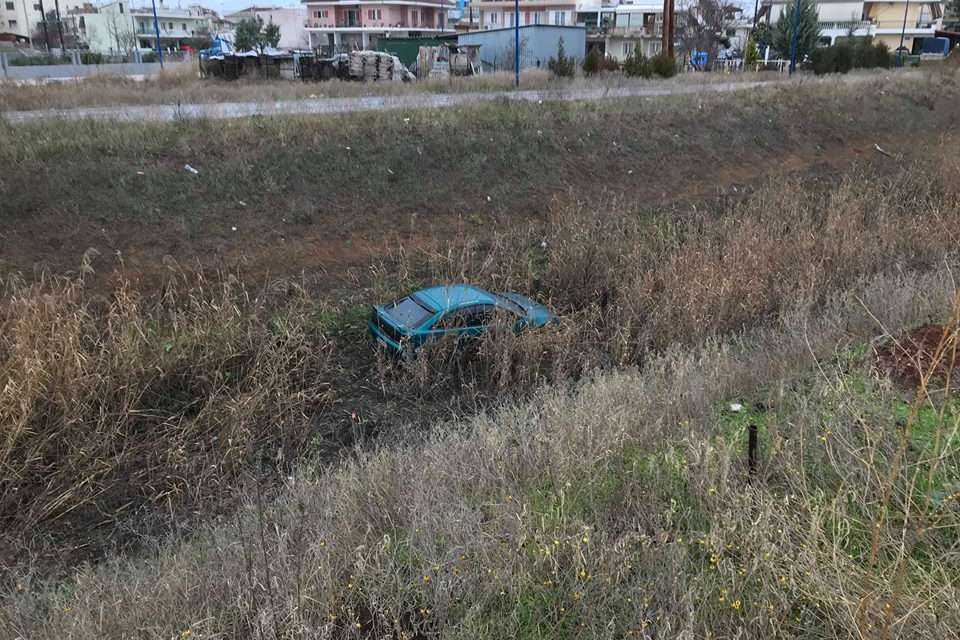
(637, 64)
(593, 63)
(563, 66)
(150, 56)
(663, 65)
(34, 61)
(843, 58)
(824, 60)
(91, 57)
(882, 54)
(751, 55)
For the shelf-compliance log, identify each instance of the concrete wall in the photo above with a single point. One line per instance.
(537, 45)
(67, 71)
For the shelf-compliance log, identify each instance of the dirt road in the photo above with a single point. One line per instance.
(224, 110)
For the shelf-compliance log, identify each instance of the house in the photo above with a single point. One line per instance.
(291, 20)
(179, 28)
(359, 24)
(497, 14)
(19, 19)
(883, 21)
(119, 27)
(616, 29)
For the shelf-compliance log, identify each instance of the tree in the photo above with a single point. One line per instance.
(702, 24)
(762, 36)
(252, 34)
(121, 34)
(808, 29)
(563, 66)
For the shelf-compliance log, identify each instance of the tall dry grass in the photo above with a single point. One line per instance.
(181, 84)
(631, 281)
(110, 405)
(631, 480)
(621, 508)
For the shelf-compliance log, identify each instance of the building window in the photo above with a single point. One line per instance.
(10, 6)
(373, 14)
(493, 18)
(512, 18)
(184, 26)
(414, 18)
(560, 17)
(13, 24)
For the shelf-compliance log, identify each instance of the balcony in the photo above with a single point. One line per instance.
(348, 24)
(636, 32)
(855, 25)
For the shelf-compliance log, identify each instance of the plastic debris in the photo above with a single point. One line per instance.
(190, 169)
(736, 407)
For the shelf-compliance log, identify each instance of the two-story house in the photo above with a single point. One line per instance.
(358, 24)
(884, 21)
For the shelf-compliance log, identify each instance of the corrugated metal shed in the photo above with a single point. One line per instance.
(538, 43)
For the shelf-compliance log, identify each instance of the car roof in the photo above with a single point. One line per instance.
(453, 296)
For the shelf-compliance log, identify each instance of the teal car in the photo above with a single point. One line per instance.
(460, 310)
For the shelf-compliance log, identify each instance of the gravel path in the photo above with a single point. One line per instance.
(223, 110)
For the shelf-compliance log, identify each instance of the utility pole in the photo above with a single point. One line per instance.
(516, 42)
(156, 29)
(756, 8)
(43, 21)
(666, 45)
(793, 38)
(903, 33)
(56, 4)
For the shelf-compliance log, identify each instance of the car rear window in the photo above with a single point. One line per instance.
(408, 312)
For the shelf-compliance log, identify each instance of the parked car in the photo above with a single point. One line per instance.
(406, 324)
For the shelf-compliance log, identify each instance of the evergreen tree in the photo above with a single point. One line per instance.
(808, 29)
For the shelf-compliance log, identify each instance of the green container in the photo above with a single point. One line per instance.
(407, 49)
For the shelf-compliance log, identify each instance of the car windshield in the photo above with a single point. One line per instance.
(408, 312)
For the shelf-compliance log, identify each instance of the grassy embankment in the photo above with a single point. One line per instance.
(181, 84)
(611, 507)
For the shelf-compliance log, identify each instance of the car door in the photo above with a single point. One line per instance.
(464, 322)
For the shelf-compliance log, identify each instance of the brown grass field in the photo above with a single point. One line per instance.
(199, 441)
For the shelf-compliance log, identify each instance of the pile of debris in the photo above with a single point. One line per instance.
(371, 66)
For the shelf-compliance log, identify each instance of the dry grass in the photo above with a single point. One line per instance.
(631, 282)
(613, 503)
(113, 405)
(182, 85)
(620, 509)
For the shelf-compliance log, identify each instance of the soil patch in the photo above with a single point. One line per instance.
(913, 355)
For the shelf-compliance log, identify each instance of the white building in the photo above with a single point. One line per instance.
(883, 21)
(119, 27)
(617, 28)
(18, 19)
(291, 20)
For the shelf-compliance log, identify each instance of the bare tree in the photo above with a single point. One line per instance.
(120, 31)
(702, 24)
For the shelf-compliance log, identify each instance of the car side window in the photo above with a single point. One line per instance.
(468, 317)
